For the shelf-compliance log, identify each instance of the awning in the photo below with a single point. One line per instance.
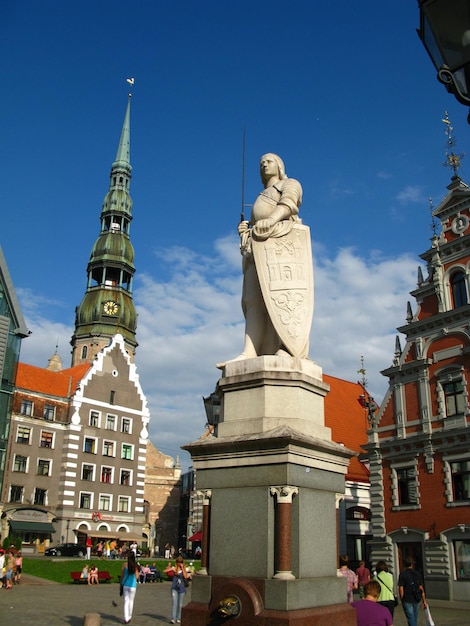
(35, 527)
(109, 534)
(196, 537)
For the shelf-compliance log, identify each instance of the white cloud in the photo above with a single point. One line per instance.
(193, 320)
(411, 193)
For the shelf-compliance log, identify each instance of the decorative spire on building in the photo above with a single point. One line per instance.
(452, 160)
(107, 307)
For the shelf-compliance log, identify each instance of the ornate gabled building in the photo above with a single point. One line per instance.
(77, 450)
(107, 307)
(12, 331)
(419, 443)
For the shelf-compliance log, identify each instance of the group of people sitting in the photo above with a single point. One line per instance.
(90, 574)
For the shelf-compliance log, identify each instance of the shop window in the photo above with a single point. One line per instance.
(16, 493)
(462, 559)
(106, 474)
(40, 497)
(23, 434)
(26, 407)
(20, 463)
(49, 412)
(88, 472)
(459, 289)
(44, 467)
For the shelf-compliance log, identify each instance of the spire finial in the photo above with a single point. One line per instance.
(433, 219)
(131, 82)
(452, 160)
(362, 371)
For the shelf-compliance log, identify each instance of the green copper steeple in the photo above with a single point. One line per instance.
(107, 307)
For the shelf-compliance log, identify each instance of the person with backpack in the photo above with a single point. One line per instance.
(411, 590)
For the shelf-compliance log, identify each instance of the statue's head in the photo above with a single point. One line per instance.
(280, 166)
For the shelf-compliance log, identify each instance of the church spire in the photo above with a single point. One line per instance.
(107, 307)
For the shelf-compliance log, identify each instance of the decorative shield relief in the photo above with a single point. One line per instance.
(285, 273)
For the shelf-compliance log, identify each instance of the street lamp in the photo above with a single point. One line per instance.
(445, 33)
(212, 407)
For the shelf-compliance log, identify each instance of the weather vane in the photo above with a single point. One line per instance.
(452, 159)
(131, 83)
(365, 399)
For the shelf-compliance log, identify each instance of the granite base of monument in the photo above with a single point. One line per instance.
(270, 477)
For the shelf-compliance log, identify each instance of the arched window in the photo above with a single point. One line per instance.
(84, 352)
(459, 289)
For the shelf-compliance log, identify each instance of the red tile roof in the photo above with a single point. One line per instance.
(347, 420)
(38, 379)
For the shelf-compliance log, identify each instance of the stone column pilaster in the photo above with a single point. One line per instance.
(206, 498)
(283, 495)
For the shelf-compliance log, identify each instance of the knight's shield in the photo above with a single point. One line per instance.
(285, 273)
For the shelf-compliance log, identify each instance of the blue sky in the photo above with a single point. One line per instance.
(343, 91)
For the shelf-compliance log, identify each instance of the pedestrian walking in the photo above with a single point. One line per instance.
(350, 576)
(178, 588)
(129, 577)
(411, 590)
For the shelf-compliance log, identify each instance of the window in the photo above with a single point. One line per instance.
(460, 472)
(84, 352)
(126, 425)
(88, 472)
(89, 445)
(110, 422)
(462, 559)
(108, 448)
(40, 496)
(127, 451)
(23, 434)
(20, 463)
(124, 504)
(44, 467)
(454, 397)
(85, 500)
(16, 493)
(106, 474)
(49, 412)
(46, 439)
(105, 502)
(407, 487)
(94, 419)
(125, 478)
(459, 290)
(358, 513)
(112, 395)
(26, 407)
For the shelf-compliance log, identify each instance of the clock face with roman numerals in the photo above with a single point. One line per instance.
(110, 307)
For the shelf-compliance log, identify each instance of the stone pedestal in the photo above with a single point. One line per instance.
(272, 474)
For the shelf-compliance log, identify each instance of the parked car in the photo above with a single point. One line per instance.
(66, 549)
